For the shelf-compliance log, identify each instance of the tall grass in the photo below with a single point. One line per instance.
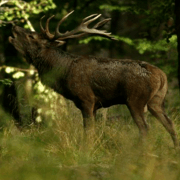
(63, 152)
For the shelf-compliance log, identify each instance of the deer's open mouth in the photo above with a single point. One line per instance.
(11, 38)
(15, 40)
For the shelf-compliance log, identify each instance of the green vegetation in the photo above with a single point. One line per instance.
(62, 151)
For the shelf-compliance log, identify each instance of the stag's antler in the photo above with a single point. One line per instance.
(79, 31)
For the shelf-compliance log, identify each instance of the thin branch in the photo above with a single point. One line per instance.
(3, 2)
(23, 12)
(27, 20)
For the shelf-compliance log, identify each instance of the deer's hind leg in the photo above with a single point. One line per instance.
(137, 111)
(155, 106)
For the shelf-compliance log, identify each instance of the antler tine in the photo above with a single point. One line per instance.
(84, 26)
(42, 29)
(91, 20)
(94, 30)
(86, 18)
(49, 35)
(57, 33)
(101, 23)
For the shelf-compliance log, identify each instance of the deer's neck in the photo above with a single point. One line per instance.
(51, 60)
(53, 66)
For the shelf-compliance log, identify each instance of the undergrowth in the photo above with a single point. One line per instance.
(64, 152)
(112, 152)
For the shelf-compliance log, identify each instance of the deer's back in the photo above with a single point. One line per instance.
(113, 81)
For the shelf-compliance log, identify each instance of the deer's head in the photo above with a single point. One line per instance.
(26, 41)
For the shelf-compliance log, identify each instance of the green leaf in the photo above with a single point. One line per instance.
(10, 18)
(112, 8)
(7, 82)
(87, 40)
(125, 39)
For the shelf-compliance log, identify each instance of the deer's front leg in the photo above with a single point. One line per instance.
(88, 115)
(87, 110)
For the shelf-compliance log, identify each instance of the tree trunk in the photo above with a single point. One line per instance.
(177, 25)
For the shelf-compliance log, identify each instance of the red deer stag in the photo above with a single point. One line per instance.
(94, 82)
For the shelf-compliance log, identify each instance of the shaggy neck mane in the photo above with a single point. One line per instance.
(52, 59)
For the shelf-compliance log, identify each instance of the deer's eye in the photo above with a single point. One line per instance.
(31, 37)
